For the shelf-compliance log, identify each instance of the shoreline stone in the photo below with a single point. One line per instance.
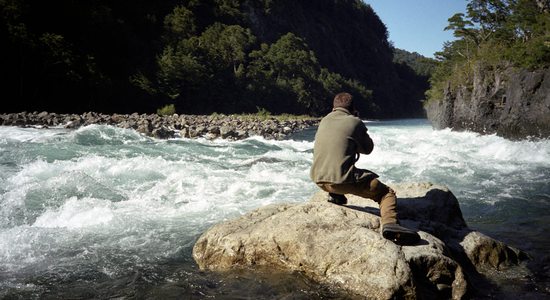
(233, 127)
(341, 246)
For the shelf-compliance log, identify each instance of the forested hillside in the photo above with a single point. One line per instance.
(202, 56)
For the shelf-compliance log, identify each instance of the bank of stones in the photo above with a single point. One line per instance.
(234, 127)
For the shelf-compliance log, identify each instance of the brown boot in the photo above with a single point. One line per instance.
(399, 234)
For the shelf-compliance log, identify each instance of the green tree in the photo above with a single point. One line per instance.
(288, 70)
(198, 72)
(179, 24)
(226, 45)
(289, 66)
(463, 28)
(491, 15)
(179, 71)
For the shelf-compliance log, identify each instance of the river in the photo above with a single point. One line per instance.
(104, 212)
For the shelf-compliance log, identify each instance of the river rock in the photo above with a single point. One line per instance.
(162, 133)
(226, 131)
(341, 246)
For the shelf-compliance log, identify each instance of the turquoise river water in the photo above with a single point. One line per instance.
(102, 212)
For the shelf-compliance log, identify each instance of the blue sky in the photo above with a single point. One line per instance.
(417, 25)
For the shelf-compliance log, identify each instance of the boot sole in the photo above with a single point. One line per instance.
(338, 202)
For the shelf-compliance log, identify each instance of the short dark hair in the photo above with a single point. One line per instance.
(344, 100)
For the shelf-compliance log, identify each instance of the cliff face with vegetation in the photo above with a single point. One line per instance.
(511, 103)
(202, 56)
(495, 77)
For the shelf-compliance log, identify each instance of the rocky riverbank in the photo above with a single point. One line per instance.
(234, 127)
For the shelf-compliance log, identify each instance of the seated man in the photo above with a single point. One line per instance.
(339, 140)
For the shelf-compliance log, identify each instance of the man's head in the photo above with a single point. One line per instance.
(344, 100)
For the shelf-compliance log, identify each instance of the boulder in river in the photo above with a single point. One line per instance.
(341, 246)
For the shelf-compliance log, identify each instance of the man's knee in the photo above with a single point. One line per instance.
(326, 187)
(380, 190)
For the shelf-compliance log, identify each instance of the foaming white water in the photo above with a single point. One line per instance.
(111, 200)
(76, 213)
(10, 133)
(114, 193)
(465, 161)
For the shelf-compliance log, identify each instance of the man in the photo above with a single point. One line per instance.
(339, 140)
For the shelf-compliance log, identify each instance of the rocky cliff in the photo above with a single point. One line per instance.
(511, 103)
(341, 246)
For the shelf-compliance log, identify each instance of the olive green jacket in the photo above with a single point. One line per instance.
(339, 139)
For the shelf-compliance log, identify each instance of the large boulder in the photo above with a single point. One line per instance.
(341, 246)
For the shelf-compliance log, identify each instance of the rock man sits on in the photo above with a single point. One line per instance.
(339, 140)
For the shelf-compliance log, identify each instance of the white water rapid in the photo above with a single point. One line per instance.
(100, 203)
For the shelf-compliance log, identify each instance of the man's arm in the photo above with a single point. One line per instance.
(363, 140)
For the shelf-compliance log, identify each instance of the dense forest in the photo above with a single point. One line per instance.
(204, 56)
(492, 36)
